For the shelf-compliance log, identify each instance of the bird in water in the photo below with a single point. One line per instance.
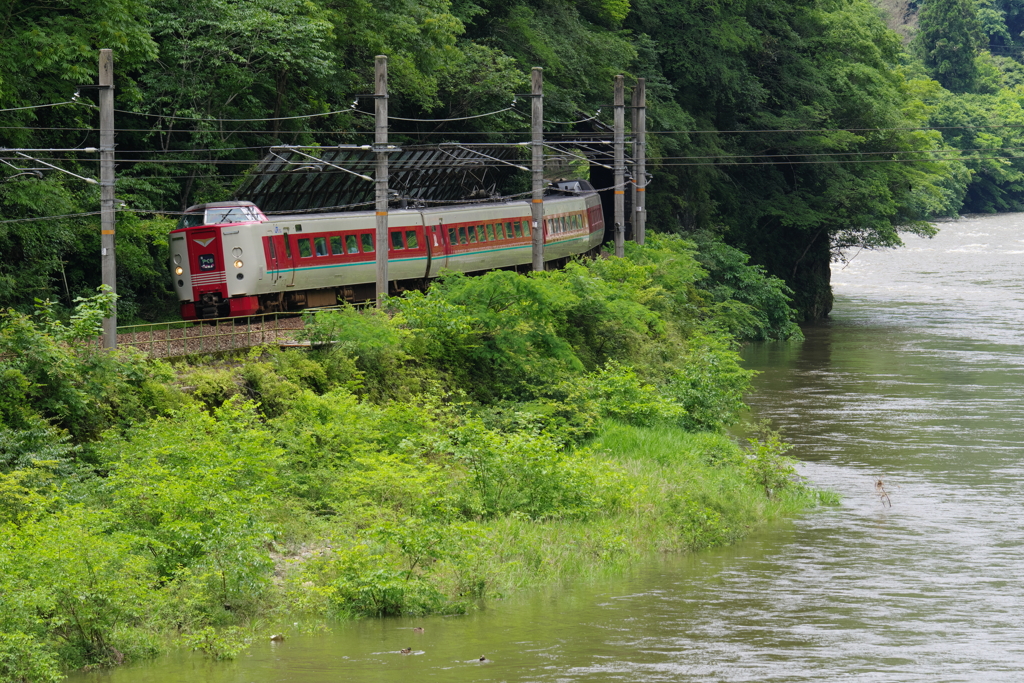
(483, 658)
(277, 638)
(417, 629)
(406, 650)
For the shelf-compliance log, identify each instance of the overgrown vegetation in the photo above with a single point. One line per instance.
(797, 131)
(499, 432)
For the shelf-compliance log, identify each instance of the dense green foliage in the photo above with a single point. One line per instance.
(498, 432)
(795, 130)
(949, 33)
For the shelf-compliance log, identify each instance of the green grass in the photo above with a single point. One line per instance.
(687, 492)
(680, 492)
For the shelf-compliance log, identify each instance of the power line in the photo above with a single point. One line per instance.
(202, 120)
(50, 218)
(37, 106)
(442, 163)
(461, 118)
(497, 199)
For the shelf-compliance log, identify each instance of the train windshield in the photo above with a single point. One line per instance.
(191, 220)
(230, 214)
(221, 214)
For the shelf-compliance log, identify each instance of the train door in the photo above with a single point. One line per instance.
(288, 259)
(273, 257)
(207, 263)
(438, 245)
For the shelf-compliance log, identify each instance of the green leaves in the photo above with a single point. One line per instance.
(949, 37)
(767, 464)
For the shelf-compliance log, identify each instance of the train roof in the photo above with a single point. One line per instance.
(217, 205)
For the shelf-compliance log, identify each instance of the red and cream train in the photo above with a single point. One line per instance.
(229, 259)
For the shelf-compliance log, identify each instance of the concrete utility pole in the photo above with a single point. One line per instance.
(618, 140)
(107, 222)
(640, 166)
(381, 142)
(537, 206)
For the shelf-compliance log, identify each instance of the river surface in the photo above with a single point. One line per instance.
(917, 381)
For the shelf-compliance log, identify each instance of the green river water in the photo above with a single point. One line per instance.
(917, 380)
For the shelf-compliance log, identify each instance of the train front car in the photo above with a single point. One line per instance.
(216, 259)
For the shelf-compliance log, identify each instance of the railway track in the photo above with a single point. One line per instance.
(169, 340)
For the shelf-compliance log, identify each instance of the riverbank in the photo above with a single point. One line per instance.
(502, 432)
(664, 490)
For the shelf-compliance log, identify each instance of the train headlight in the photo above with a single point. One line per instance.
(179, 270)
(238, 263)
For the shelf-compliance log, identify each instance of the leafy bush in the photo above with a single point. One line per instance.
(219, 645)
(24, 660)
(744, 299)
(767, 464)
(363, 582)
(622, 395)
(72, 575)
(211, 385)
(530, 474)
(56, 371)
(708, 382)
(195, 487)
(371, 339)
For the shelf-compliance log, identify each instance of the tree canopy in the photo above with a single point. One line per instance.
(795, 130)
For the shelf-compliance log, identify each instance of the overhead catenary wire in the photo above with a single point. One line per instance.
(785, 156)
(50, 218)
(37, 106)
(456, 118)
(167, 212)
(989, 126)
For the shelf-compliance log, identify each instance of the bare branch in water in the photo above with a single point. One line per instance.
(882, 494)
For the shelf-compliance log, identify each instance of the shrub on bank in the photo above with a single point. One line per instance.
(499, 432)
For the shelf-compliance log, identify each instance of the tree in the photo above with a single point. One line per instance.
(948, 39)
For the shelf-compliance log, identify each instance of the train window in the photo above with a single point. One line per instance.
(287, 247)
(305, 250)
(576, 221)
(351, 244)
(367, 244)
(191, 220)
(396, 241)
(526, 228)
(490, 231)
(453, 237)
(462, 235)
(320, 244)
(410, 239)
(233, 214)
(336, 248)
(515, 226)
(472, 234)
